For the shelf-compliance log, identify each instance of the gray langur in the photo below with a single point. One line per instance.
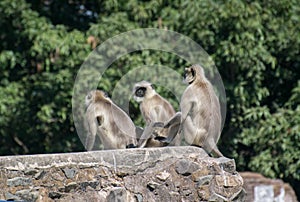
(105, 119)
(159, 115)
(201, 114)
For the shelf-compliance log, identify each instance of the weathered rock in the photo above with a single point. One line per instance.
(227, 165)
(10, 196)
(163, 176)
(229, 180)
(55, 195)
(71, 186)
(39, 175)
(259, 187)
(186, 167)
(19, 181)
(28, 194)
(92, 184)
(30, 171)
(153, 185)
(152, 174)
(139, 197)
(70, 173)
(117, 194)
(204, 180)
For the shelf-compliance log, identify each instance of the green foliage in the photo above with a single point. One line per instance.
(254, 44)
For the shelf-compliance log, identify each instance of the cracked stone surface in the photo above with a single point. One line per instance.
(150, 174)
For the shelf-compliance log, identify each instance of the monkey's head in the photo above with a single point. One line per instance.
(142, 90)
(192, 73)
(95, 96)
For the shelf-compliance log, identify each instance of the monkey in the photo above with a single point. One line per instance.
(201, 113)
(159, 116)
(105, 119)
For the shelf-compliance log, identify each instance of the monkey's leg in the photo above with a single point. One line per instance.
(189, 130)
(216, 152)
(211, 147)
(130, 146)
(175, 120)
(139, 132)
(91, 124)
(158, 129)
(196, 136)
(174, 133)
(171, 127)
(89, 142)
(158, 125)
(132, 143)
(146, 135)
(173, 136)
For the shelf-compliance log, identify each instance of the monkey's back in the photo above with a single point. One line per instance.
(116, 126)
(205, 111)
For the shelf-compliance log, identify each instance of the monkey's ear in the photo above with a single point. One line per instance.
(152, 86)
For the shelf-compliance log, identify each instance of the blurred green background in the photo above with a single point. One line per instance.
(255, 46)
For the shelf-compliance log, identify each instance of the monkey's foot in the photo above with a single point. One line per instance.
(162, 140)
(131, 146)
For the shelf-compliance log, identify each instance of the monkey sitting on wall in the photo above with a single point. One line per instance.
(159, 116)
(201, 114)
(105, 119)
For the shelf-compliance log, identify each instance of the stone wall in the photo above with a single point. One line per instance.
(153, 174)
(262, 189)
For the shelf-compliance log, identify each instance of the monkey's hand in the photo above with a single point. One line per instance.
(163, 140)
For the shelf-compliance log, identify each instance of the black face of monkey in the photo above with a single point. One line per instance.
(140, 92)
(189, 75)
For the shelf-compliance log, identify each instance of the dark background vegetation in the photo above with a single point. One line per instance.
(255, 46)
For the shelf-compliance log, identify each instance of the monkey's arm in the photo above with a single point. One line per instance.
(139, 131)
(190, 130)
(147, 133)
(123, 121)
(91, 124)
(191, 133)
(154, 114)
(173, 120)
(125, 124)
(186, 108)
